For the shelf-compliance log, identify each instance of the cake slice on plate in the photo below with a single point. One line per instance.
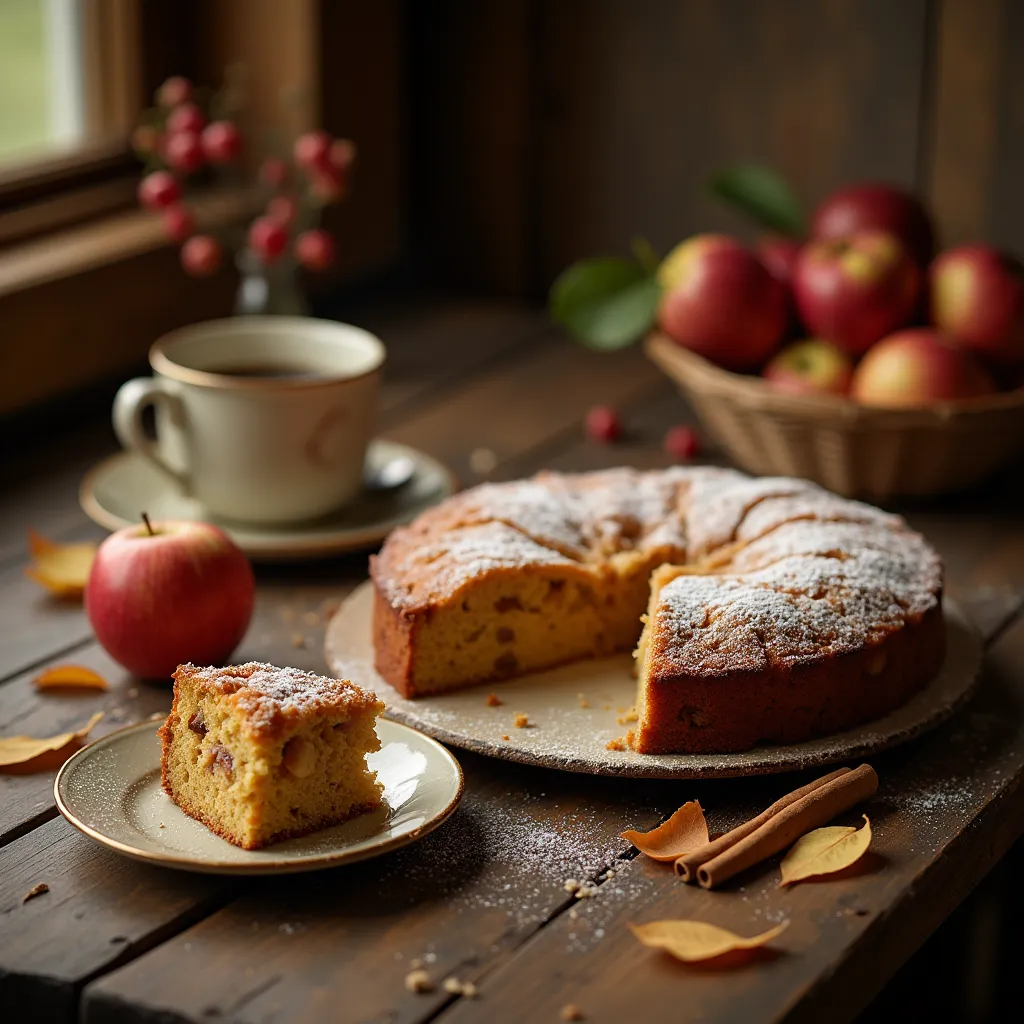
(259, 754)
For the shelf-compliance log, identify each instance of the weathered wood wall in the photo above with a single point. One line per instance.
(543, 130)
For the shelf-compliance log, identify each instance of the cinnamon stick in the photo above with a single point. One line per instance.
(812, 811)
(687, 865)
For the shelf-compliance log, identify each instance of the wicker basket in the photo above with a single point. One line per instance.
(852, 449)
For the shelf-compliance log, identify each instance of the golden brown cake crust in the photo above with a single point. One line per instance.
(795, 613)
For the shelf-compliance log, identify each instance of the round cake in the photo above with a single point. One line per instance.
(760, 609)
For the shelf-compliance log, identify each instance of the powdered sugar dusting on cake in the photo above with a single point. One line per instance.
(814, 504)
(268, 694)
(717, 507)
(437, 570)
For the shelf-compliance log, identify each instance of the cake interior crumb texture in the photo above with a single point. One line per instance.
(259, 754)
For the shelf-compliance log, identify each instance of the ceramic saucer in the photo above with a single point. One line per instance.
(110, 790)
(119, 488)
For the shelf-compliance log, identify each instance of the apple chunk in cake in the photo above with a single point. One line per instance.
(259, 753)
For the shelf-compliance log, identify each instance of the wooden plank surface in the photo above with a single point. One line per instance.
(346, 938)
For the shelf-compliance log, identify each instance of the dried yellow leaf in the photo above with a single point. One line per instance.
(70, 677)
(22, 755)
(692, 941)
(825, 851)
(683, 832)
(62, 568)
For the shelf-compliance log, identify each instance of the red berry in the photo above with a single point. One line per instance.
(682, 443)
(274, 172)
(201, 256)
(341, 155)
(315, 249)
(185, 118)
(311, 150)
(158, 190)
(283, 209)
(174, 92)
(184, 152)
(327, 185)
(603, 424)
(178, 222)
(267, 238)
(222, 142)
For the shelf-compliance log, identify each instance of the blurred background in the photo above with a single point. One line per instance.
(498, 141)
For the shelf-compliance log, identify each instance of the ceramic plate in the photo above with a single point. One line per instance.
(111, 791)
(564, 735)
(114, 492)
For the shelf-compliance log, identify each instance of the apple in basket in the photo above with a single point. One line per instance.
(855, 290)
(810, 367)
(871, 206)
(164, 593)
(916, 367)
(719, 300)
(977, 298)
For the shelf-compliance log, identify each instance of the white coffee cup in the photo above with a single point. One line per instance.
(261, 419)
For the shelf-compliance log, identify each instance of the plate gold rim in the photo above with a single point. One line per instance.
(262, 867)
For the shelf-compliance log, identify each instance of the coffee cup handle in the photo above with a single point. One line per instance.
(131, 401)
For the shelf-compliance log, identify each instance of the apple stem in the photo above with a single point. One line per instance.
(149, 525)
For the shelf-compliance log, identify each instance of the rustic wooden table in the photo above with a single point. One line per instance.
(483, 898)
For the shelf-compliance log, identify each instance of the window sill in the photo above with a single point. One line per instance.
(104, 242)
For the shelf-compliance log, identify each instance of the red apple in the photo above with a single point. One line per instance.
(179, 224)
(977, 298)
(681, 442)
(810, 367)
(185, 118)
(872, 206)
(917, 367)
(181, 593)
(779, 256)
(720, 301)
(855, 290)
(603, 424)
(268, 238)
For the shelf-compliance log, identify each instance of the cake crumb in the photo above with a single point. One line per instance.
(570, 885)
(505, 738)
(162, 825)
(607, 707)
(37, 890)
(419, 981)
(521, 721)
(415, 964)
(494, 701)
(630, 716)
(298, 640)
(570, 1012)
(619, 744)
(582, 698)
(460, 988)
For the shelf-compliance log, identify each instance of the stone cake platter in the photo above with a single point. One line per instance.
(565, 735)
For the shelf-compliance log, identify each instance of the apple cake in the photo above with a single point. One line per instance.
(259, 754)
(771, 610)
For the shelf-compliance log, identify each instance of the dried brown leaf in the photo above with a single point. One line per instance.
(692, 941)
(68, 677)
(683, 832)
(22, 755)
(825, 851)
(62, 568)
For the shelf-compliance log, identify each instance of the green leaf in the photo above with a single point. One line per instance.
(606, 303)
(762, 195)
